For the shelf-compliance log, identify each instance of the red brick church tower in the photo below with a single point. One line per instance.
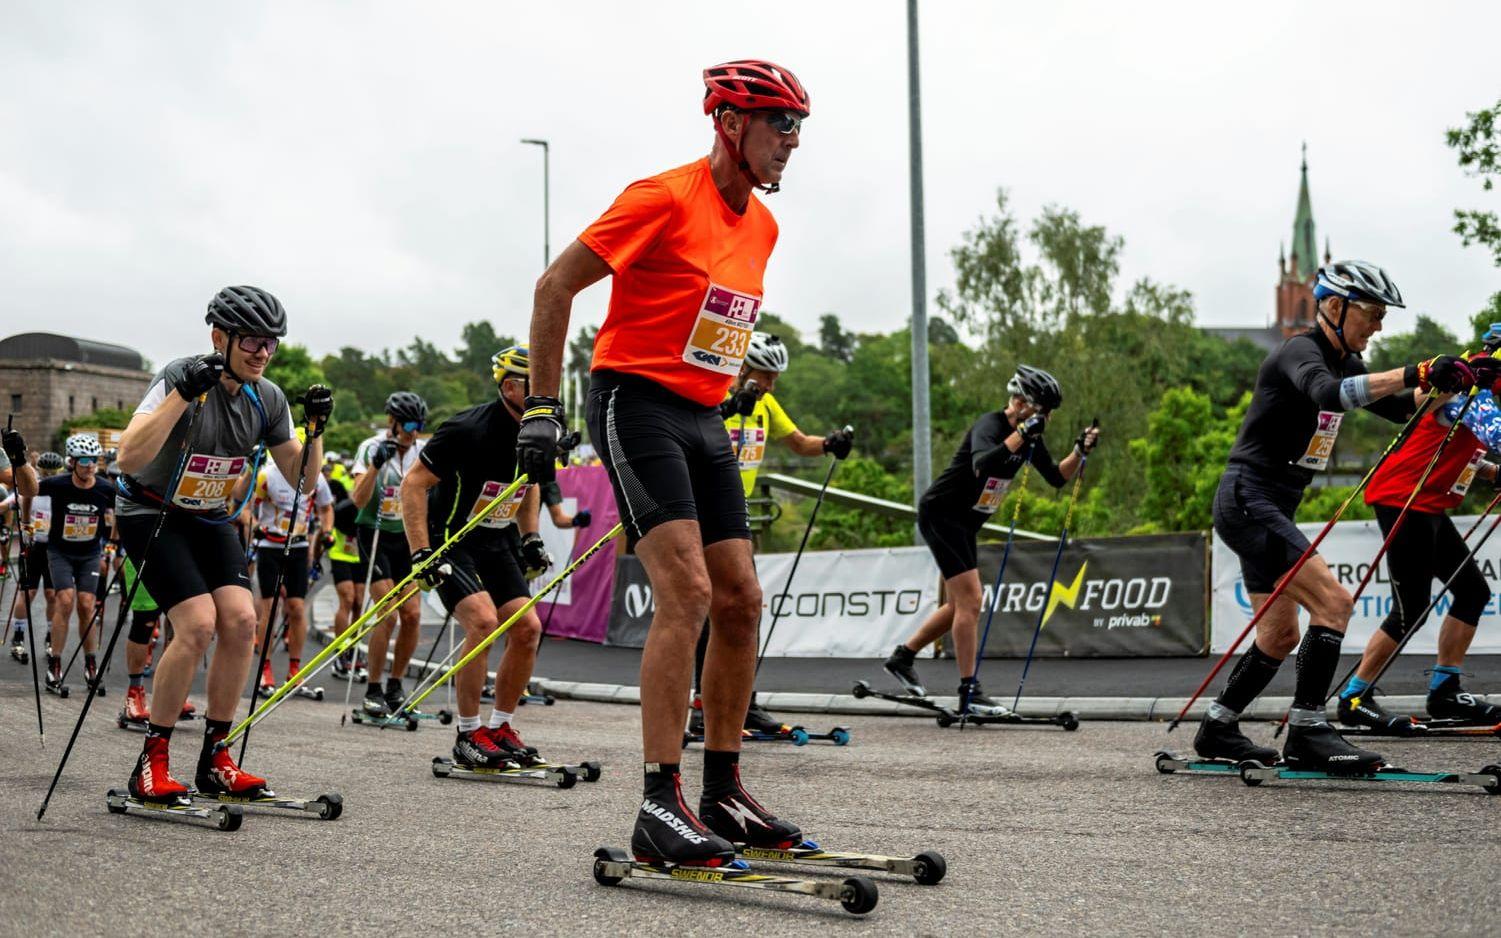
(1295, 273)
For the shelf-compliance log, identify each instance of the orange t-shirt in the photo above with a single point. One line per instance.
(687, 283)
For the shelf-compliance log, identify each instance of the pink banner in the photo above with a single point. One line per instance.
(580, 607)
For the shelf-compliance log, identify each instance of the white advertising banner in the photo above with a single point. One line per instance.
(846, 603)
(1349, 550)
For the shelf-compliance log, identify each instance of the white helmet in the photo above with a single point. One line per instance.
(82, 444)
(766, 353)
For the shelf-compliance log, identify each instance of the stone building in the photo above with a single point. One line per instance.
(47, 378)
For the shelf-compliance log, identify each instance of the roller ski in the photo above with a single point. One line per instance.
(563, 776)
(1487, 778)
(153, 792)
(226, 817)
(949, 716)
(326, 807)
(857, 894)
(796, 735)
(53, 682)
(926, 868)
(374, 711)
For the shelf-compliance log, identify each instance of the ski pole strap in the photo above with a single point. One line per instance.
(515, 617)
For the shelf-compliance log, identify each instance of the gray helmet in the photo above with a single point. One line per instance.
(247, 311)
(1037, 387)
(766, 353)
(405, 405)
(1357, 280)
(50, 462)
(83, 444)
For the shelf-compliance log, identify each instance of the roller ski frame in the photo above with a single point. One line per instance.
(1253, 773)
(947, 716)
(361, 718)
(546, 773)
(226, 817)
(858, 895)
(1429, 729)
(796, 735)
(301, 690)
(927, 868)
(326, 807)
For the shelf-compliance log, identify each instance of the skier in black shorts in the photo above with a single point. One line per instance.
(82, 516)
(960, 502)
(36, 514)
(195, 566)
(469, 461)
(1302, 391)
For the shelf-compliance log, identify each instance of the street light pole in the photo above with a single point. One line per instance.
(546, 200)
(922, 445)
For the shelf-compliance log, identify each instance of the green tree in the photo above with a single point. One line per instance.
(1427, 339)
(833, 340)
(1182, 457)
(293, 370)
(108, 418)
(1479, 154)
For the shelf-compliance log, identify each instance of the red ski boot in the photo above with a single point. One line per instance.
(219, 775)
(136, 711)
(152, 780)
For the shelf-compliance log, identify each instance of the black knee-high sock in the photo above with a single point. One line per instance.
(1318, 657)
(1251, 676)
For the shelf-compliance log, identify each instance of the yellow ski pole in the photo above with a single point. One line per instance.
(412, 702)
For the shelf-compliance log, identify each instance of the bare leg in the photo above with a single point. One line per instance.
(520, 655)
(234, 654)
(730, 663)
(673, 556)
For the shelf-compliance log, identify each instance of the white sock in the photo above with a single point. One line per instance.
(499, 718)
(468, 724)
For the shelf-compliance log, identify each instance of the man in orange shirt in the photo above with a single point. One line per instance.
(687, 249)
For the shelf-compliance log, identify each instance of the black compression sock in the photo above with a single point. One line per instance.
(1251, 676)
(372, 689)
(1318, 657)
(720, 771)
(158, 732)
(214, 730)
(137, 680)
(393, 683)
(660, 775)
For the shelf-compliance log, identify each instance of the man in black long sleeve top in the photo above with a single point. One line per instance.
(960, 502)
(1302, 392)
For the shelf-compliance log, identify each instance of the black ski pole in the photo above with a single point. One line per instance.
(281, 577)
(161, 518)
(1000, 574)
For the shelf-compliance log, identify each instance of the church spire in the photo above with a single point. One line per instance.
(1305, 245)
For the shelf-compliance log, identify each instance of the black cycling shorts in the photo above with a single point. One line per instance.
(669, 458)
(1253, 516)
(38, 569)
(268, 565)
(495, 570)
(347, 571)
(952, 544)
(71, 572)
(191, 557)
(392, 561)
(1429, 548)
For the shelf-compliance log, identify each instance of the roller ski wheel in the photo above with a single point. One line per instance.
(224, 817)
(861, 690)
(1068, 721)
(856, 895)
(308, 693)
(927, 868)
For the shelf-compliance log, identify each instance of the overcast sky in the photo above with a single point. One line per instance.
(362, 160)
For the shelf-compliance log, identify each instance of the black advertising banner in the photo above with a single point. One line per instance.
(631, 609)
(1113, 597)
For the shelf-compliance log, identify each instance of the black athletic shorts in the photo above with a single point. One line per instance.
(268, 565)
(71, 572)
(669, 458)
(1253, 516)
(347, 571)
(38, 570)
(952, 544)
(1429, 548)
(191, 557)
(496, 570)
(392, 561)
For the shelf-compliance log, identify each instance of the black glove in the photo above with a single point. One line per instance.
(199, 376)
(1486, 369)
(1032, 428)
(742, 403)
(432, 575)
(317, 404)
(567, 444)
(582, 517)
(534, 557)
(838, 442)
(1087, 440)
(537, 440)
(384, 450)
(1444, 373)
(15, 447)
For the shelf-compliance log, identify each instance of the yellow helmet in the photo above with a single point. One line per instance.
(510, 361)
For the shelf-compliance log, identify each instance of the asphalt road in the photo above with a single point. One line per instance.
(1044, 831)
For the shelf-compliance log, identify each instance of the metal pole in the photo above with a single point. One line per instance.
(563, 386)
(922, 447)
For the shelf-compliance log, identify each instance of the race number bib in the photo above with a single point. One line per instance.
(80, 527)
(502, 516)
(1321, 447)
(41, 521)
(1461, 485)
(208, 481)
(750, 443)
(283, 517)
(390, 503)
(992, 495)
(722, 332)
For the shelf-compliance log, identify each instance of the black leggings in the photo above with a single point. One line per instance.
(1429, 548)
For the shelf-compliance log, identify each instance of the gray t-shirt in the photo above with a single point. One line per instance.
(223, 439)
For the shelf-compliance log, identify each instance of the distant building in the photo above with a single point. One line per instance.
(1294, 308)
(47, 378)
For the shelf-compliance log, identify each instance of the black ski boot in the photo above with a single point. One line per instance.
(733, 814)
(1449, 702)
(1362, 710)
(473, 749)
(396, 695)
(757, 720)
(974, 702)
(375, 703)
(668, 832)
(1222, 739)
(18, 647)
(1318, 748)
(902, 666)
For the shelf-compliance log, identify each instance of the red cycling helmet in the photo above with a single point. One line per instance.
(751, 85)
